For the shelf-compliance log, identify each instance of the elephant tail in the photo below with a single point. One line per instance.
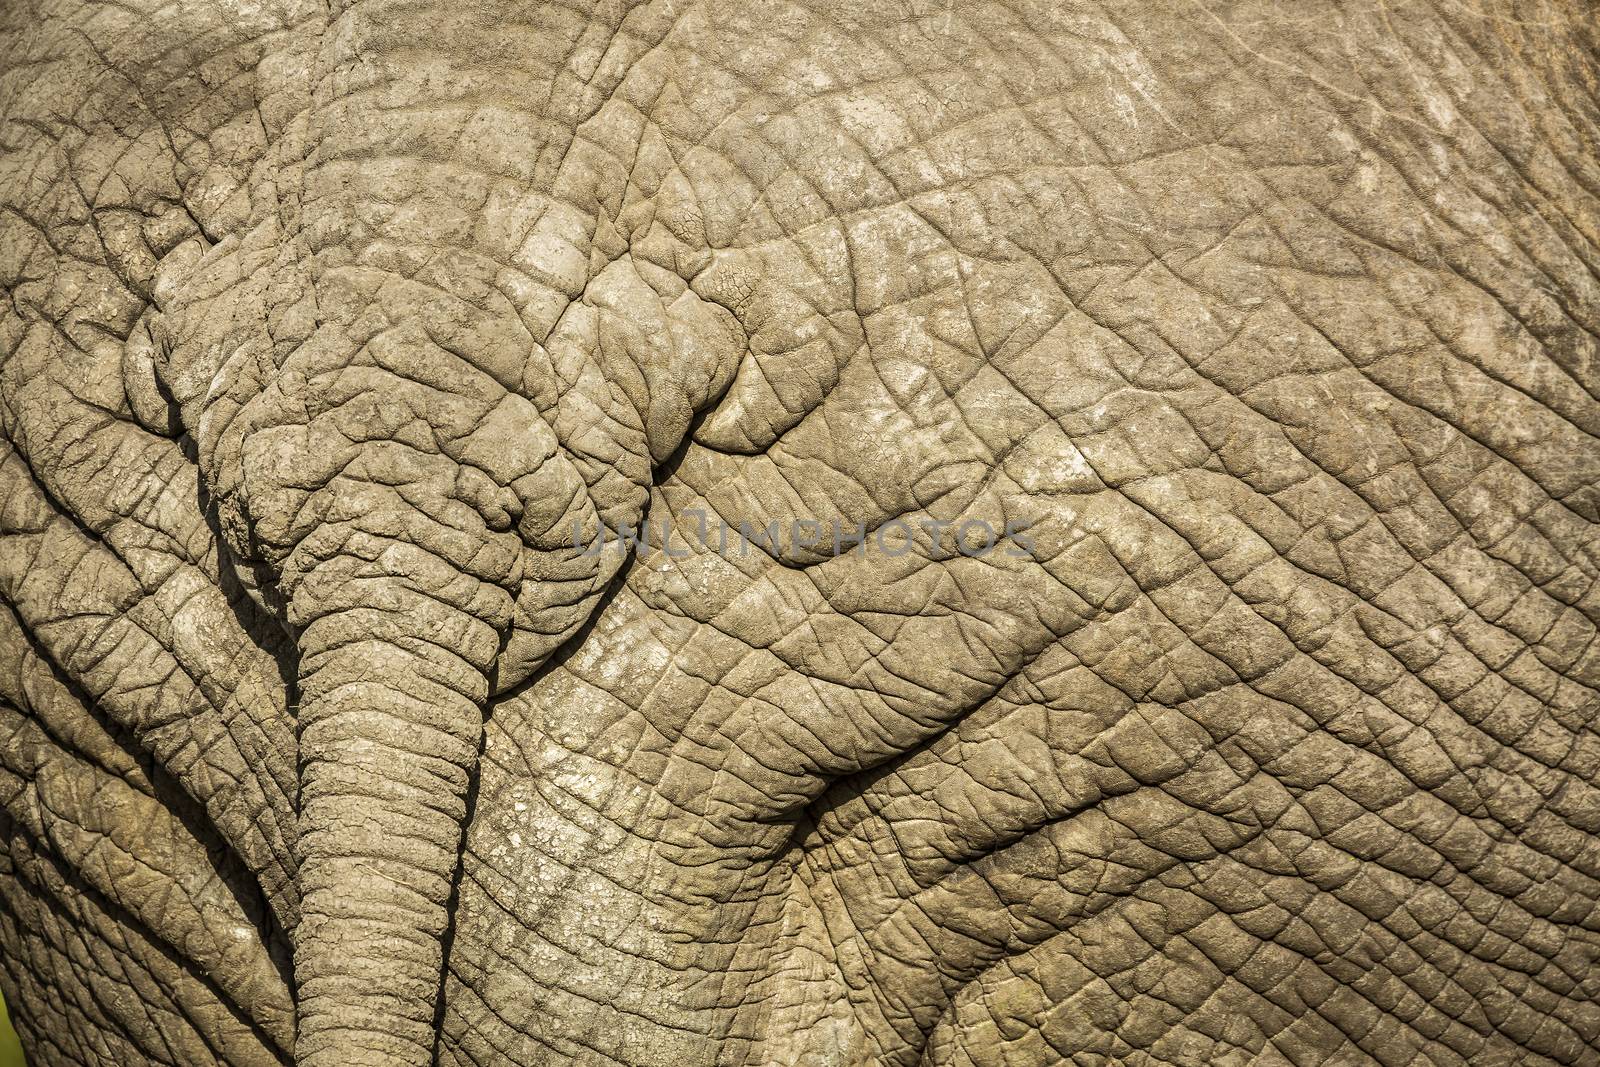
(392, 687)
(404, 575)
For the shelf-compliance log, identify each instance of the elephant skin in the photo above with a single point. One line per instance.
(731, 532)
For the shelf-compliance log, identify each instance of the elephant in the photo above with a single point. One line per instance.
(729, 532)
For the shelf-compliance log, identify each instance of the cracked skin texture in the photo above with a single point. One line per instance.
(1277, 325)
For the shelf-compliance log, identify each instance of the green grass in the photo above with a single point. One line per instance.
(10, 1049)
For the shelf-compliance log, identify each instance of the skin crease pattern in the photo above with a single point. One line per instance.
(897, 533)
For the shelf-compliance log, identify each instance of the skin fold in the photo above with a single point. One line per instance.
(335, 333)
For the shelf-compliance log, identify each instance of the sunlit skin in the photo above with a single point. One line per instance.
(742, 533)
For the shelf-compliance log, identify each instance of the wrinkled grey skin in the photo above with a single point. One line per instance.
(326, 325)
